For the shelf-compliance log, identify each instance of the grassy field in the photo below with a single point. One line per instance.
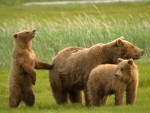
(61, 26)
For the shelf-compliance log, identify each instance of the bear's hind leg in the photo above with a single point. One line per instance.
(94, 101)
(93, 98)
(29, 98)
(15, 98)
(86, 96)
(103, 100)
(61, 97)
(75, 96)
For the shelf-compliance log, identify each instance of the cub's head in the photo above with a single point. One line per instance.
(127, 70)
(24, 36)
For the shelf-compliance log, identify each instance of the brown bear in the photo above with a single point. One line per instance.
(22, 74)
(113, 79)
(73, 65)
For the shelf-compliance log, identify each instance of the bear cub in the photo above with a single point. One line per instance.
(22, 75)
(113, 79)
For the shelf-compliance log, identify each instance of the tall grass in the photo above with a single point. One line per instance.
(82, 31)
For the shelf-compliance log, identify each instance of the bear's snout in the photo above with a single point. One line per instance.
(33, 32)
(116, 75)
(142, 52)
(138, 56)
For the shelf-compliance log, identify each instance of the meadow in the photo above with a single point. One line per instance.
(61, 26)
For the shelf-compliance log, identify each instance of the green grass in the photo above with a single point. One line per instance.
(61, 26)
(45, 103)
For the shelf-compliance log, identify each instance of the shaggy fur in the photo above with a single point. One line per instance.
(22, 74)
(113, 79)
(73, 65)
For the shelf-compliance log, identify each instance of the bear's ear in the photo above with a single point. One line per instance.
(130, 61)
(119, 42)
(120, 60)
(122, 38)
(15, 35)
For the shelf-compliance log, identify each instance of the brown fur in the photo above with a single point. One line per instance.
(22, 74)
(73, 65)
(112, 79)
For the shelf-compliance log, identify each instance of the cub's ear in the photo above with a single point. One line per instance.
(119, 42)
(122, 38)
(130, 61)
(120, 60)
(15, 35)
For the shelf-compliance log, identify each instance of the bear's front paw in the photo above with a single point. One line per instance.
(50, 66)
(33, 78)
(33, 82)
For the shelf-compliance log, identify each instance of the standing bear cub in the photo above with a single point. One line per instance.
(113, 79)
(74, 64)
(22, 75)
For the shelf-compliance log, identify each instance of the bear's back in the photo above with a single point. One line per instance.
(106, 70)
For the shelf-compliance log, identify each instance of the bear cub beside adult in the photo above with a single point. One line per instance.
(74, 64)
(22, 75)
(113, 79)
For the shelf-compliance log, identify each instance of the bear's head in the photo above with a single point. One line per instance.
(126, 50)
(24, 37)
(127, 70)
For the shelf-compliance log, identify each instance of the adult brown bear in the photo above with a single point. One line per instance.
(22, 75)
(74, 64)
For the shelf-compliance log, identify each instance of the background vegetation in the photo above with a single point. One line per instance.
(61, 26)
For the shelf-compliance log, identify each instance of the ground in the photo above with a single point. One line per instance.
(45, 103)
(74, 25)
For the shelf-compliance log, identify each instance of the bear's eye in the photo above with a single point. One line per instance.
(27, 32)
(132, 47)
(122, 69)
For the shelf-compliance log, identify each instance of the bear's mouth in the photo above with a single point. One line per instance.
(33, 32)
(138, 56)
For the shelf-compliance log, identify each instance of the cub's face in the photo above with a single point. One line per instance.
(125, 69)
(24, 36)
